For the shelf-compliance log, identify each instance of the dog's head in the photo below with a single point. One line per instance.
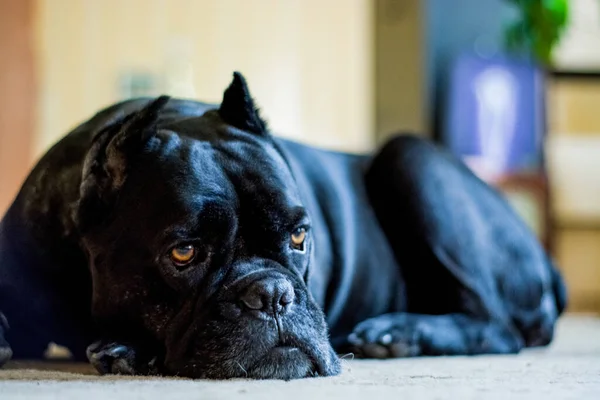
(199, 245)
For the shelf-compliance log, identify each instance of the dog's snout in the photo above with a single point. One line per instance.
(270, 295)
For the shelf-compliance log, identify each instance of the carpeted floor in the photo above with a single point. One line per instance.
(569, 369)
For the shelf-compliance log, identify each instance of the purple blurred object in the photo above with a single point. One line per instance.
(495, 115)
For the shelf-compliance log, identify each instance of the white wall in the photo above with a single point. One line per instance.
(400, 100)
(308, 62)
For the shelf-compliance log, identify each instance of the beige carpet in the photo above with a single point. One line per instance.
(569, 369)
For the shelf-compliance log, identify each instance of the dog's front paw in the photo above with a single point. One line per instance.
(5, 350)
(386, 336)
(112, 358)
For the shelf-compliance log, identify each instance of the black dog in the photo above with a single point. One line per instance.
(183, 238)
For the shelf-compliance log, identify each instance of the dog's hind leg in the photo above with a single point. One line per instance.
(477, 279)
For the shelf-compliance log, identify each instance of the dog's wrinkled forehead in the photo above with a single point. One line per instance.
(181, 172)
(243, 156)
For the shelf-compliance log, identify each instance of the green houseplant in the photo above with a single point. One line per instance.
(537, 29)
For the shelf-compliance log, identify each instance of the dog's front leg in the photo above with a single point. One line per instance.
(409, 335)
(115, 358)
(5, 350)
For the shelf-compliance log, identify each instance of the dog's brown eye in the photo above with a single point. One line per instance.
(182, 255)
(298, 237)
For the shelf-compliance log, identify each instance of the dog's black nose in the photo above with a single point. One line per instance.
(270, 295)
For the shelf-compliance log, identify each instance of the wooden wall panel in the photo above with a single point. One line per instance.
(17, 96)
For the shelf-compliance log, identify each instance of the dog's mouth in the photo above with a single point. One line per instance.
(283, 362)
(241, 352)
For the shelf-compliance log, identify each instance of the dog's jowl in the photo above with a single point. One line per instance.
(167, 236)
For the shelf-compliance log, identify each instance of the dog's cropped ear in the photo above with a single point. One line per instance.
(105, 165)
(134, 133)
(238, 109)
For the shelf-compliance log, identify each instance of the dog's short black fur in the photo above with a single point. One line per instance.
(291, 255)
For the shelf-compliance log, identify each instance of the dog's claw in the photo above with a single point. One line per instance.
(385, 339)
(117, 351)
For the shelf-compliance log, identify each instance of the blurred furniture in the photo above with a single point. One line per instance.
(573, 153)
(495, 122)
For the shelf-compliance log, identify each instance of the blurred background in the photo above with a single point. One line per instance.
(510, 86)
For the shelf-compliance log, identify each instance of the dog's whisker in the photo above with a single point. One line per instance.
(242, 368)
